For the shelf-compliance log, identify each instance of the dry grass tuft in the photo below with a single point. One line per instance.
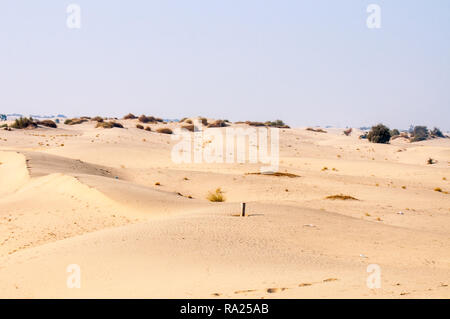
(24, 123)
(75, 121)
(216, 196)
(97, 118)
(189, 127)
(318, 130)
(47, 123)
(129, 116)
(341, 197)
(164, 130)
(217, 123)
(149, 119)
(108, 125)
(279, 174)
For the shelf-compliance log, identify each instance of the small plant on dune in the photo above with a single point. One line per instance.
(347, 132)
(318, 130)
(341, 197)
(204, 121)
(75, 121)
(251, 123)
(431, 161)
(164, 130)
(148, 128)
(47, 123)
(139, 126)
(188, 121)
(157, 184)
(129, 116)
(436, 133)
(23, 123)
(278, 174)
(189, 127)
(216, 196)
(98, 119)
(108, 125)
(379, 134)
(277, 124)
(217, 123)
(148, 119)
(438, 189)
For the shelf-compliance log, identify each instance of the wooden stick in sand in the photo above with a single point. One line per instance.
(242, 209)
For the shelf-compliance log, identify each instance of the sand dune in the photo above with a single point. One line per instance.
(86, 196)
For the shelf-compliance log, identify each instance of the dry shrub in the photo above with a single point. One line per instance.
(24, 123)
(129, 116)
(97, 118)
(254, 123)
(347, 132)
(189, 127)
(217, 123)
(164, 130)
(148, 129)
(75, 121)
(109, 125)
(204, 121)
(149, 119)
(318, 130)
(139, 126)
(277, 124)
(341, 197)
(278, 174)
(47, 123)
(216, 196)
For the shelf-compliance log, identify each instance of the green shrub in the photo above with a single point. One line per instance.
(420, 133)
(436, 132)
(379, 134)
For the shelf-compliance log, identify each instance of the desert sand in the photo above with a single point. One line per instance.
(87, 196)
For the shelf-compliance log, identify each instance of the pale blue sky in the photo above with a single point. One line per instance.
(307, 62)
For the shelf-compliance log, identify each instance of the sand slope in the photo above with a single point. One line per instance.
(86, 196)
